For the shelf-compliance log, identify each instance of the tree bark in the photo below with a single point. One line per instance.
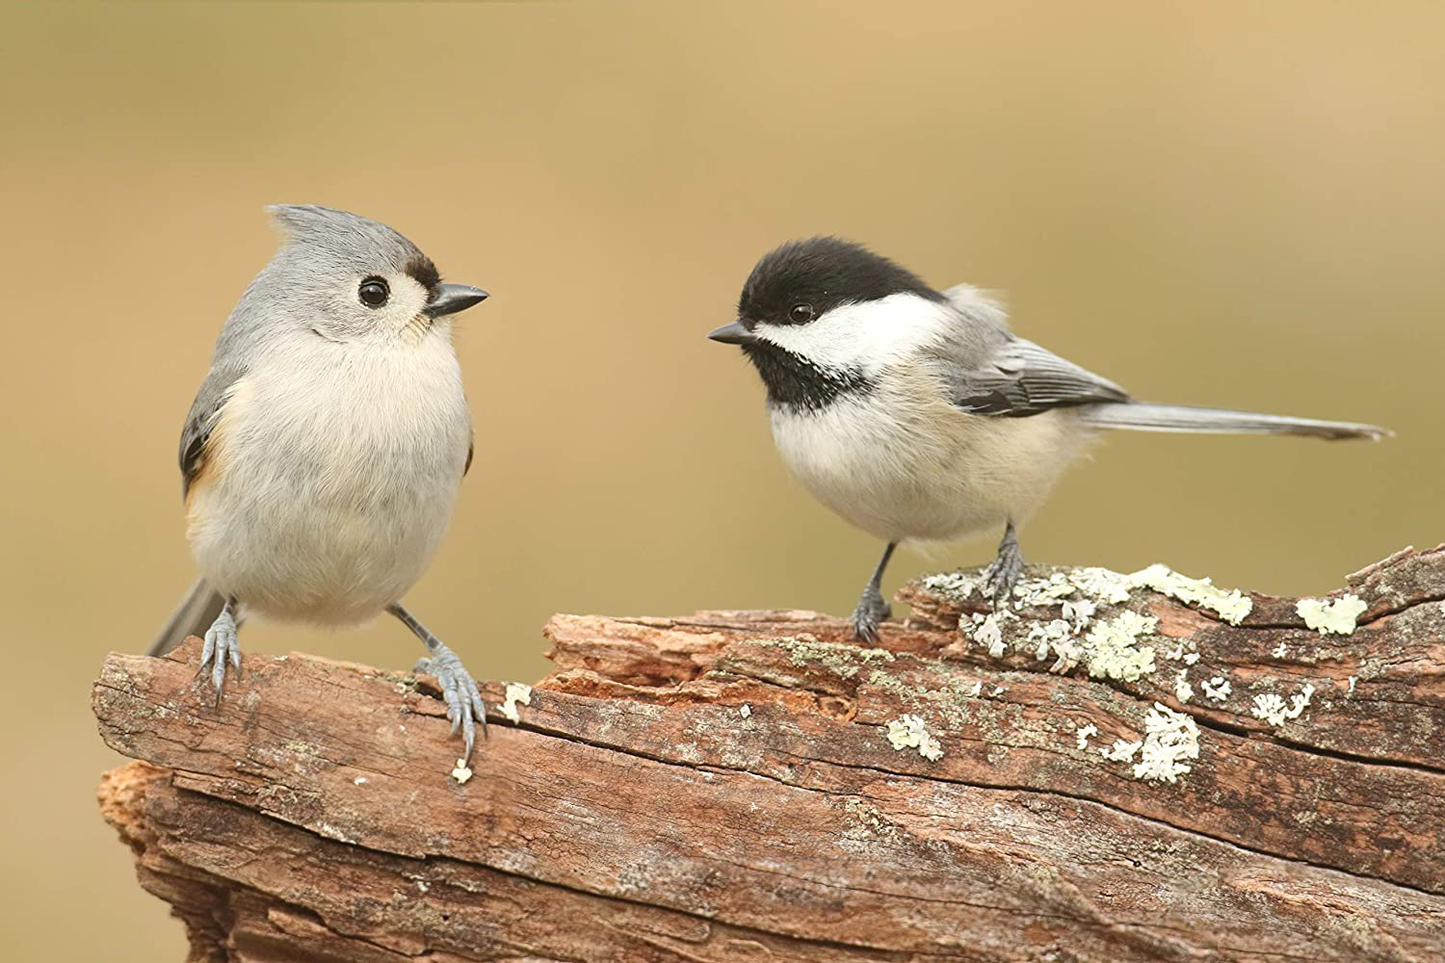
(759, 786)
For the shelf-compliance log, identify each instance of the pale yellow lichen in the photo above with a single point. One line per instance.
(1112, 652)
(1232, 607)
(1121, 751)
(1081, 737)
(517, 693)
(955, 585)
(1169, 738)
(1331, 618)
(1216, 688)
(1183, 691)
(988, 632)
(461, 773)
(1047, 634)
(909, 732)
(1271, 708)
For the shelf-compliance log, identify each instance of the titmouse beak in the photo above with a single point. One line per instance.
(733, 333)
(451, 298)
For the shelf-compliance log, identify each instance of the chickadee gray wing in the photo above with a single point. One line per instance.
(1019, 379)
(990, 371)
(201, 420)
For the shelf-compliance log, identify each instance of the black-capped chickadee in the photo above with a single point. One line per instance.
(915, 414)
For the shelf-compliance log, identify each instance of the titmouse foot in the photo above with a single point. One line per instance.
(464, 701)
(221, 647)
(871, 610)
(1004, 571)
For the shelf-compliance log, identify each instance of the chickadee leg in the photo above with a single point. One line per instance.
(464, 702)
(222, 645)
(1004, 572)
(872, 608)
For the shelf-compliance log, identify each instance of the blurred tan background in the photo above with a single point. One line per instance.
(1209, 203)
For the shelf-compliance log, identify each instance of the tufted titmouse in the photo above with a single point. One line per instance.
(323, 453)
(916, 414)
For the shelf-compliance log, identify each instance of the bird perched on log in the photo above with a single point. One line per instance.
(323, 453)
(916, 414)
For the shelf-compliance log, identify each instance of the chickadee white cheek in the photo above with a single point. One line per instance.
(866, 336)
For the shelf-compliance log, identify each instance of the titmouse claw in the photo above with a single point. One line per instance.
(465, 707)
(222, 646)
(459, 690)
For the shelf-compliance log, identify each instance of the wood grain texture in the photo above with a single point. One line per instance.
(722, 787)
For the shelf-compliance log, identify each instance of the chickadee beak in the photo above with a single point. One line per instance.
(733, 333)
(451, 298)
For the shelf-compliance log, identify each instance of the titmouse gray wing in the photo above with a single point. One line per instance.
(202, 418)
(990, 371)
(201, 604)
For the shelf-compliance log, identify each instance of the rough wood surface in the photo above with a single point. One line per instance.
(723, 787)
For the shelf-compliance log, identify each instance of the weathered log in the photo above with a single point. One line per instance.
(756, 785)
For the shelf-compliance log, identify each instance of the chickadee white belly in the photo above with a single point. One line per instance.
(904, 464)
(916, 414)
(333, 480)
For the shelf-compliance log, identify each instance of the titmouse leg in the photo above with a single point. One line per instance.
(222, 646)
(464, 703)
(872, 608)
(1003, 573)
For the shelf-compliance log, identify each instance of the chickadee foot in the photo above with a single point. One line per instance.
(871, 610)
(221, 647)
(465, 708)
(1004, 572)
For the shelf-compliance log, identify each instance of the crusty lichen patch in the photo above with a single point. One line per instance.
(842, 660)
(1216, 688)
(1111, 649)
(1107, 647)
(1169, 739)
(1183, 691)
(1232, 607)
(987, 632)
(909, 732)
(518, 693)
(1331, 618)
(1271, 708)
(1121, 751)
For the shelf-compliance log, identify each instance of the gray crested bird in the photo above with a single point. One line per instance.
(916, 414)
(323, 453)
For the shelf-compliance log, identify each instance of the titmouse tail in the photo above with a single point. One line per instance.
(1184, 418)
(192, 617)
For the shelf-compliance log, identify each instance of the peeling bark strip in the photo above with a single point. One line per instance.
(756, 785)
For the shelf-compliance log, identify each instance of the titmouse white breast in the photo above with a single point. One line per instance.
(323, 453)
(916, 414)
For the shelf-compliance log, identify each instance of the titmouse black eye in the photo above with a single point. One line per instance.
(373, 292)
(800, 313)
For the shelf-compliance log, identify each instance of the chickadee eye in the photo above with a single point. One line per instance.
(801, 313)
(373, 292)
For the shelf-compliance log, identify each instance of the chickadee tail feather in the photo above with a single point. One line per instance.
(1135, 416)
(192, 617)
